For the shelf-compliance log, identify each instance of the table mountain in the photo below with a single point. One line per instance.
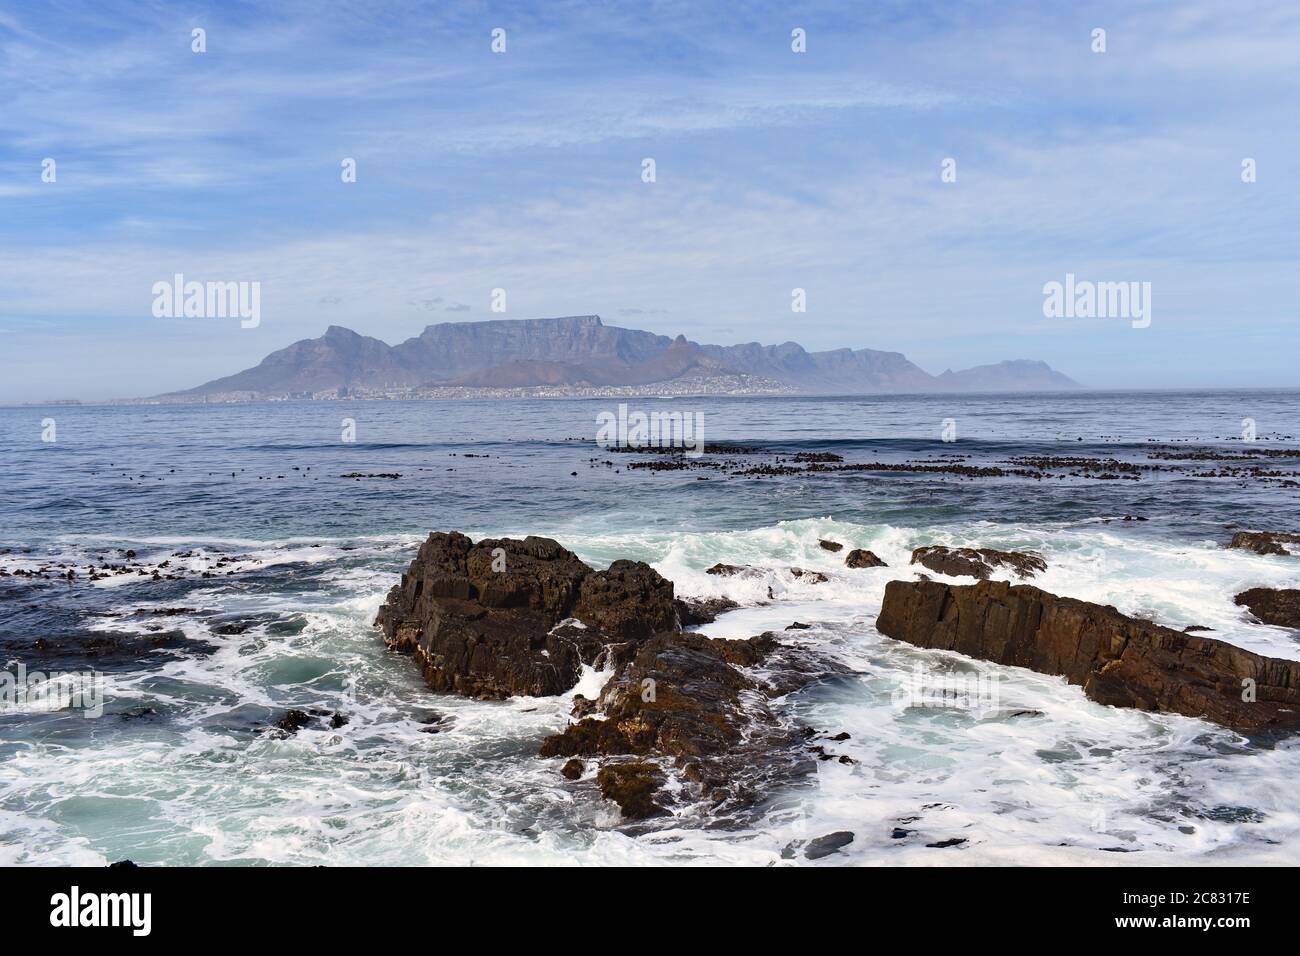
(581, 351)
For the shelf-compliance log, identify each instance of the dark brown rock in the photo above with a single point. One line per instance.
(861, 558)
(1266, 542)
(732, 570)
(630, 600)
(684, 696)
(293, 721)
(691, 612)
(493, 619)
(1280, 606)
(830, 545)
(1118, 660)
(573, 769)
(978, 562)
(481, 618)
(679, 696)
(632, 786)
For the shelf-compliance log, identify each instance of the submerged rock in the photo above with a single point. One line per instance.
(862, 558)
(831, 546)
(734, 570)
(1118, 660)
(978, 562)
(295, 720)
(814, 577)
(1267, 542)
(1279, 606)
(828, 844)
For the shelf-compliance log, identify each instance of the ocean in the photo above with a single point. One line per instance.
(294, 513)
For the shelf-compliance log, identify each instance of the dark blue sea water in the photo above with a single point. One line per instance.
(179, 767)
(275, 468)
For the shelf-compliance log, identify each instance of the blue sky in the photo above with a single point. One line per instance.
(775, 170)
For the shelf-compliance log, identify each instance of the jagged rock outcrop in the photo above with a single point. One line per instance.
(1117, 659)
(497, 618)
(692, 611)
(1280, 606)
(632, 786)
(977, 562)
(630, 600)
(483, 619)
(1267, 542)
(683, 696)
(862, 558)
(678, 695)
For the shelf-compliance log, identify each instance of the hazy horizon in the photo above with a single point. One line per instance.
(775, 170)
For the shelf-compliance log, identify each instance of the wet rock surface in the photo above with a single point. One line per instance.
(977, 562)
(483, 620)
(692, 612)
(861, 558)
(495, 618)
(632, 786)
(1118, 660)
(1266, 466)
(822, 846)
(1267, 542)
(692, 699)
(629, 600)
(733, 570)
(1279, 606)
(295, 720)
(828, 844)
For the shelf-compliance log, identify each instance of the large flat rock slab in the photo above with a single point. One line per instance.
(1118, 660)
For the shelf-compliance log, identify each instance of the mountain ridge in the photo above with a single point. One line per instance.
(582, 352)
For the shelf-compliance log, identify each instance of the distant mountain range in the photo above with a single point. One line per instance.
(581, 352)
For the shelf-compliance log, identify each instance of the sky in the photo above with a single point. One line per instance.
(774, 169)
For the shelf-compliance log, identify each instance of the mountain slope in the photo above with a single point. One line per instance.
(839, 369)
(340, 357)
(1020, 375)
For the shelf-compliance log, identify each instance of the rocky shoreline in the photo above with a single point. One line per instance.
(499, 617)
(502, 617)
